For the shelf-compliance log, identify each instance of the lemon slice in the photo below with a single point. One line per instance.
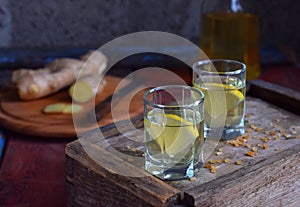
(216, 95)
(176, 136)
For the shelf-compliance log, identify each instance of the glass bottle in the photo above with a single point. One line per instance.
(229, 29)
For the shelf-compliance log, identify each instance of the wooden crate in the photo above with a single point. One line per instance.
(97, 176)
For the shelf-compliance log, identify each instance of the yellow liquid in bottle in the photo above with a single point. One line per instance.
(232, 36)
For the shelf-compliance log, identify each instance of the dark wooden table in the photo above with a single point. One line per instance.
(32, 171)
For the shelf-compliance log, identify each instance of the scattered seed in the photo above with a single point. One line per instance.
(278, 149)
(219, 161)
(248, 146)
(247, 115)
(234, 143)
(227, 160)
(192, 179)
(254, 149)
(265, 147)
(213, 169)
(272, 133)
(207, 165)
(246, 136)
(219, 153)
(260, 145)
(240, 140)
(248, 130)
(135, 149)
(281, 130)
(277, 137)
(250, 153)
(239, 162)
(259, 129)
(265, 139)
(213, 161)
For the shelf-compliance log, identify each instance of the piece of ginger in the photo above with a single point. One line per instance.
(60, 73)
(72, 109)
(55, 108)
(86, 88)
(62, 108)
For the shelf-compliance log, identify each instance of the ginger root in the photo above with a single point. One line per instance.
(86, 88)
(60, 73)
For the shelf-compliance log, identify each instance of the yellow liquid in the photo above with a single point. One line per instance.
(172, 139)
(232, 36)
(224, 102)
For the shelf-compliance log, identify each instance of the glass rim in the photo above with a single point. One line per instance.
(242, 69)
(161, 106)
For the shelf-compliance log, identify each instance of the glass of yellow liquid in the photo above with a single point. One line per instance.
(174, 131)
(223, 83)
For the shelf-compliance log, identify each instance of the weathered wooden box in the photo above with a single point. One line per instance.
(99, 173)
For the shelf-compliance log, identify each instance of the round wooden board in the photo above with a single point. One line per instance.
(27, 117)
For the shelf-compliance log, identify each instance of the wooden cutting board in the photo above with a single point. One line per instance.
(27, 117)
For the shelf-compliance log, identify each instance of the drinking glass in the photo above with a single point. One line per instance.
(174, 131)
(223, 84)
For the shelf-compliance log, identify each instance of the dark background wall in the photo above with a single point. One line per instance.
(91, 23)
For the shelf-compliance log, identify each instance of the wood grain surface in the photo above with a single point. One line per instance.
(269, 178)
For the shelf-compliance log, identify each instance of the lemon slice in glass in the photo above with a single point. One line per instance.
(216, 96)
(175, 136)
